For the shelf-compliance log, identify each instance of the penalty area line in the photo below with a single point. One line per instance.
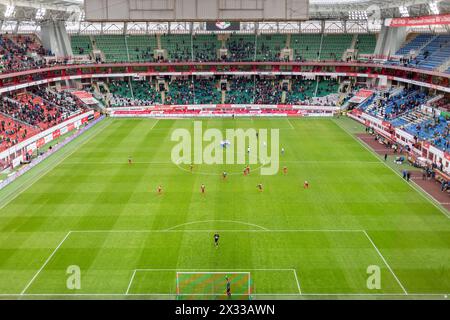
(298, 282)
(130, 283)
(45, 263)
(386, 263)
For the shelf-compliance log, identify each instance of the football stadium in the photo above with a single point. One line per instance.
(224, 150)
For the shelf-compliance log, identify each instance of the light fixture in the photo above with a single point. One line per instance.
(434, 9)
(9, 12)
(357, 15)
(403, 11)
(40, 13)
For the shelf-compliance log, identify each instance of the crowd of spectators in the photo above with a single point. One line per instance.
(206, 91)
(267, 91)
(181, 91)
(145, 54)
(392, 106)
(238, 90)
(13, 132)
(21, 53)
(23, 108)
(240, 50)
(138, 93)
(62, 102)
(39, 108)
(241, 90)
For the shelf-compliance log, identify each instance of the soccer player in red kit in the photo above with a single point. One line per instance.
(202, 187)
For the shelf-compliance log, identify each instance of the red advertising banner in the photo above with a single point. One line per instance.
(40, 142)
(56, 134)
(447, 155)
(386, 124)
(418, 21)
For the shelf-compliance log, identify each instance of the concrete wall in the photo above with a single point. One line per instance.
(54, 37)
(390, 40)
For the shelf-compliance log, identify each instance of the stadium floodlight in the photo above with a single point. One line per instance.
(357, 15)
(434, 9)
(40, 13)
(403, 11)
(9, 12)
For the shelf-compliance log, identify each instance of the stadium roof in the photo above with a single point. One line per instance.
(29, 10)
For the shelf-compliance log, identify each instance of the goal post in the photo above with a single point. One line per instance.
(213, 285)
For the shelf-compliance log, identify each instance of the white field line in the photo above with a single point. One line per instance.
(260, 230)
(131, 281)
(417, 186)
(296, 280)
(385, 262)
(290, 124)
(154, 124)
(412, 185)
(223, 221)
(197, 269)
(401, 295)
(171, 163)
(215, 230)
(50, 168)
(45, 263)
(214, 270)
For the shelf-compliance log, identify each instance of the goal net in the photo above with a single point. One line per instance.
(213, 285)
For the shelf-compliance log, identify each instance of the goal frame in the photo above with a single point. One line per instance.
(178, 273)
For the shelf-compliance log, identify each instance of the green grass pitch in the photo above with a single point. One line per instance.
(87, 207)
